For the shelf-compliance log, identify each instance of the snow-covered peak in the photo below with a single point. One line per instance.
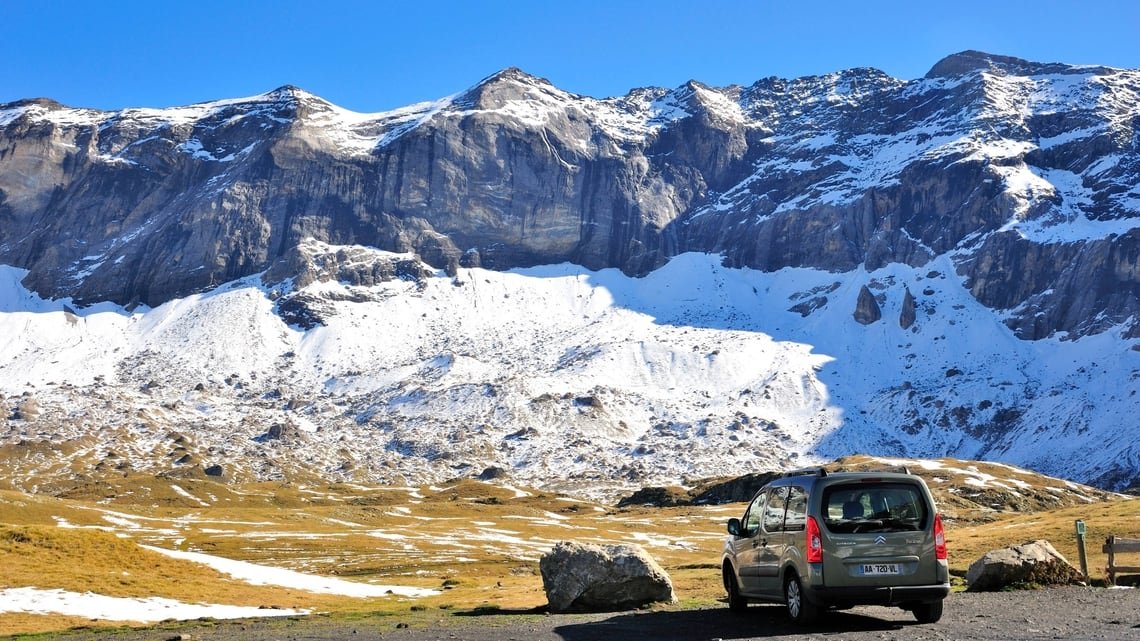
(43, 109)
(512, 75)
(510, 85)
(288, 93)
(281, 104)
(721, 104)
(971, 62)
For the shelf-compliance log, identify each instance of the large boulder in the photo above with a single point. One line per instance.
(908, 314)
(1032, 563)
(581, 577)
(867, 309)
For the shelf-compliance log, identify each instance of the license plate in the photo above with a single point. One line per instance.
(880, 569)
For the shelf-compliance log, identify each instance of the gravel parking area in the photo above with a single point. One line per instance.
(1057, 613)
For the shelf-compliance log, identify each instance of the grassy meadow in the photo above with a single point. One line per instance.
(477, 544)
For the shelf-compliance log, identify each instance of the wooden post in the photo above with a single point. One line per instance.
(1110, 545)
(1081, 550)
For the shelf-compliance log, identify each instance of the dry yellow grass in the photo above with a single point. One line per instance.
(31, 624)
(100, 562)
(477, 543)
(1119, 517)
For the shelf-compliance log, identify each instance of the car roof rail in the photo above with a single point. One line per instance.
(807, 471)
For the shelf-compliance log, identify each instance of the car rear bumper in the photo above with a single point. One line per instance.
(895, 595)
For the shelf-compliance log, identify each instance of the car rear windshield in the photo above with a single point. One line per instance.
(874, 507)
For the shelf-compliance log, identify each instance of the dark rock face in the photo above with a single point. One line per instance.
(907, 315)
(733, 490)
(867, 309)
(1025, 171)
(716, 491)
(657, 497)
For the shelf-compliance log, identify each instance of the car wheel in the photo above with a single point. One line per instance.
(928, 612)
(736, 601)
(800, 610)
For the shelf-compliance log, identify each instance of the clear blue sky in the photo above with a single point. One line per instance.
(371, 56)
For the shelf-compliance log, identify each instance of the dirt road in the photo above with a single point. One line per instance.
(1059, 613)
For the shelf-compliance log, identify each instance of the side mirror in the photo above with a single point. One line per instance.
(734, 527)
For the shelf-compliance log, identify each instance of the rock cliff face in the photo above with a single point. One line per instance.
(1025, 173)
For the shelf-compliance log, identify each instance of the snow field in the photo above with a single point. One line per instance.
(684, 359)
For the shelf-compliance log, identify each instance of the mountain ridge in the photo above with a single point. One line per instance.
(652, 163)
(822, 230)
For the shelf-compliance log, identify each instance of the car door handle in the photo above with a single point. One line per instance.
(762, 542)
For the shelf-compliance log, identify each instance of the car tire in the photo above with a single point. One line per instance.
(736, 601)
(800, 610)
(928, 612)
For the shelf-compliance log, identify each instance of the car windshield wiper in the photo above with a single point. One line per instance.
(909, 525)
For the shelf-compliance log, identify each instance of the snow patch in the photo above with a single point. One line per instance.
(105, 608)
(262, 575)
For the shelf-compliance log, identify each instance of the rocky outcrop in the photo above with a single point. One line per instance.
(1030, 192)
(288, 432)
(493, 473)
(1086, 287)
(27, 408)
(713, 491)
(908, 314)
(657, 497)
(316, 262)
(581, 577)
(312, 261)
(867, 309)
(1035, 563)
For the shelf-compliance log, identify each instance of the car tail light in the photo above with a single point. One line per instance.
(939, 539)
(814, 541)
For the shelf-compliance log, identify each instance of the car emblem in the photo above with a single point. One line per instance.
(881, 540)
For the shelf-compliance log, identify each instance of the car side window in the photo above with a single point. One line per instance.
(751, 522)
(796, 519)
(774, 512)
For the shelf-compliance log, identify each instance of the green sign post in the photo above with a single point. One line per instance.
(1081, 550)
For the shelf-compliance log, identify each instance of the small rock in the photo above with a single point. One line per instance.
(493, 473)
(27, 410)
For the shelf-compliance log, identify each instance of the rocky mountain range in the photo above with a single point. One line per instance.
(992, 205)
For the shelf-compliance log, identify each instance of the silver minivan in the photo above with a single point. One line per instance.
(813, 540)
